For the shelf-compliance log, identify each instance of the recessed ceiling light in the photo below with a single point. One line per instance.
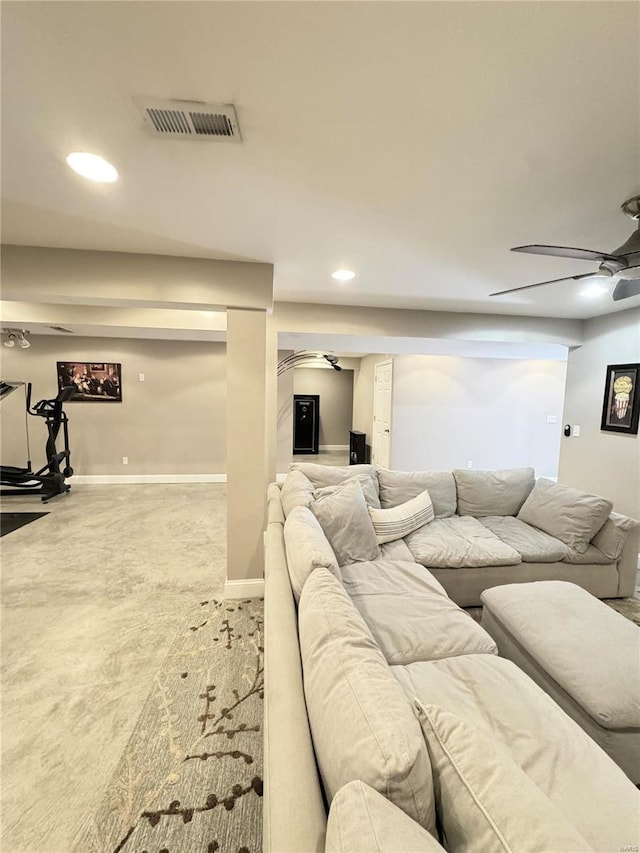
(343, 275)
(593, 290)
(93, 167)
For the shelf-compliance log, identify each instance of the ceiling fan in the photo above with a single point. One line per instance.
(623, 264)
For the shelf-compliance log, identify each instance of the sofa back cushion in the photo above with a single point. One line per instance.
(363, 821)
(297, 490)
(332, 475)
(363, 725)
(368, 484)
(571, 515)
(397, 487)
(307, 548)
(344, 518)
(484, 800)
(484, 493)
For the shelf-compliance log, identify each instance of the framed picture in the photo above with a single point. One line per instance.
(621, 405)
(95, 382)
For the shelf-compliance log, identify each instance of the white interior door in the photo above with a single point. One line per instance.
(382, 396)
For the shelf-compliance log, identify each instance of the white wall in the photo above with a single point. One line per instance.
(493, 412)
(606, 463)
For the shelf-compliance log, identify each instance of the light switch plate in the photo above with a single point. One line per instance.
(576, 431)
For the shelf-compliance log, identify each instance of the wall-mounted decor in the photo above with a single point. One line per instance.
(95, 382)
(621, 405)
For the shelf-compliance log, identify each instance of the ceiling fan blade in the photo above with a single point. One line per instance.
(541, 283)
(625, 288)
(565, 252)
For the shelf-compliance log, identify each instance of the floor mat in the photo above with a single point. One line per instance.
(190, 778)
(10, 521)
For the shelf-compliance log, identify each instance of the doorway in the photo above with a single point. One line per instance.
(382, 398)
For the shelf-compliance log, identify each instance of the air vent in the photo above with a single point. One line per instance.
(189, 119)
(62, 329)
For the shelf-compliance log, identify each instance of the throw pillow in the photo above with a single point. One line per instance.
(367, 484)
(484, 800)
(398, 521)
(344, 517)
(571, 515)
(362, 722)
(307, 548)
(363, 821)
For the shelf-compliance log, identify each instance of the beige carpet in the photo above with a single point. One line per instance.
(190, 778)
(92, 595)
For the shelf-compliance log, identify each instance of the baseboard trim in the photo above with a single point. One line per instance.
(133, 479)
(330, 447)
(249, 588)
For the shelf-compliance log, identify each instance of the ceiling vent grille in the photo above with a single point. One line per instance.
(189, 119)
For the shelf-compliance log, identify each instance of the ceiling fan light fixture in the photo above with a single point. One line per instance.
(11, 340)
(593, 291)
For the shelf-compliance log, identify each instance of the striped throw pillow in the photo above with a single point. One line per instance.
(399, 521)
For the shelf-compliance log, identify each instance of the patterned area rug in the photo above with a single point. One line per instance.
(190, 778)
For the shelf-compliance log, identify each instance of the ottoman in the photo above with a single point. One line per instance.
(581, 652)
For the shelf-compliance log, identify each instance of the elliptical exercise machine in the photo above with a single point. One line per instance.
(49, 481)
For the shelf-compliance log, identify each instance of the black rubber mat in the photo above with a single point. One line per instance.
(10, 521)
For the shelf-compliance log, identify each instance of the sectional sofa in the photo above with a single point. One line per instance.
(377, 683)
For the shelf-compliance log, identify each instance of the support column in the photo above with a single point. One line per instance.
(246, 452)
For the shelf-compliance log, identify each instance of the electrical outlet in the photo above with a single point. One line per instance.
(125, 460)
(141, 377)
(576, 431)
(469, 463)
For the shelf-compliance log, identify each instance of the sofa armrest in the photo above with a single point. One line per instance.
(628, 562)
(294, 815)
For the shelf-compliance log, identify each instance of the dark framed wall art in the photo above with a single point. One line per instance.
(94, 382)
(621, 405)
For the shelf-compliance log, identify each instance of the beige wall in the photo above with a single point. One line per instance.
(336, 400)
(448, 411)
(603, 462)
(172, 423)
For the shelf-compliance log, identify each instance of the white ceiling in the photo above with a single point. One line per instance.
(412, 142)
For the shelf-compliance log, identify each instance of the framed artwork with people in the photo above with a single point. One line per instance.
(621, 405)
(94, 382)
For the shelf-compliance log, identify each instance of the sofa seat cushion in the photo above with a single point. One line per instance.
(591, 651)
(307, 548)
(483, 493)
(569, 514)
(410, 615)
(457, 543)
(363, 821)
(484, 800)
(362, 723)
(344, 518)
(397, 487)
(497, 698)
(396, 550)
(533, 545)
